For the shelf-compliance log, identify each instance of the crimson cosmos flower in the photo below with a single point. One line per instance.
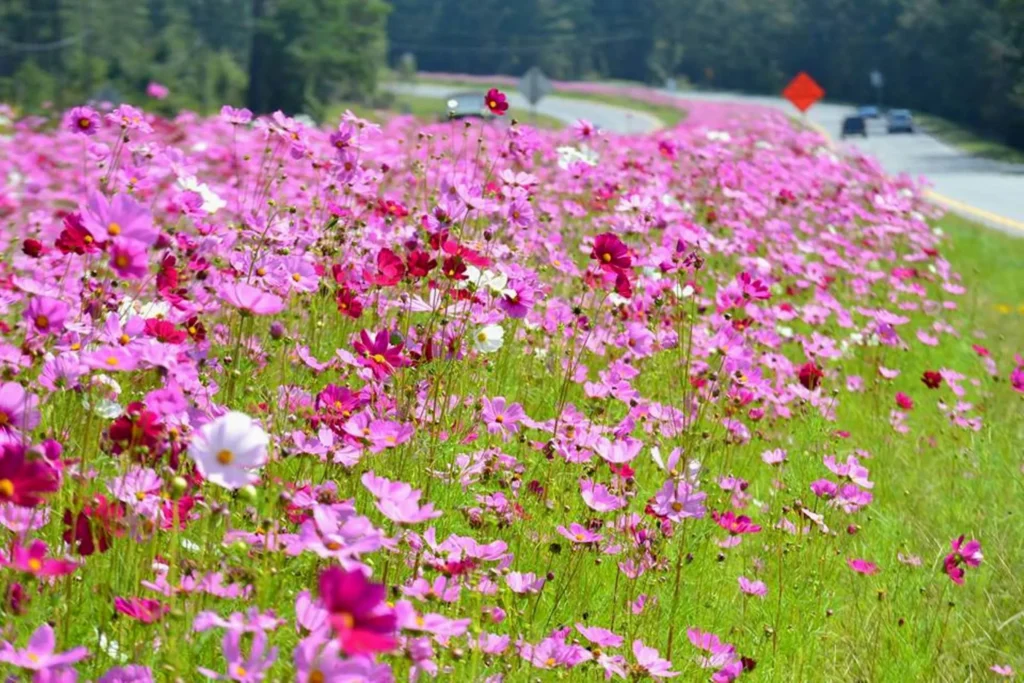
(496, 102)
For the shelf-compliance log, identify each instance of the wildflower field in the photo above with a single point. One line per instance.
(479, 402)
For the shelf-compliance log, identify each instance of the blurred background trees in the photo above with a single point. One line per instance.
(960, 59)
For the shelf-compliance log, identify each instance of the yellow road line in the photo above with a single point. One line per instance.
(949, 202)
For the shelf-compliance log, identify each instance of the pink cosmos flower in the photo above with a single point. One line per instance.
(357, 614)
(251, 300)
(46, 315)
(118, 218)
(963, 555)
(128, 258)
(599, 498)
(500, 417)
(648, 659)
(251, 667)
(904, 401)
(236, 117)
(524, 583)
(677, 500)
(39, 654)
(774, 457)
(32, 559)
(82, 120)
(618, 451)
(1002, 670)
(19, 411)
(577, 533)
(863, 566)
(157, 91)
(385, 434)
(601, 637)
(757, 588)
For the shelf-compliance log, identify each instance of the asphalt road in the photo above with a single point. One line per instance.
(989, 191)
(568, 110)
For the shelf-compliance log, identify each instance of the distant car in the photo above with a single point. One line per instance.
(466, 105)
(900, 121)
(854, 125)
(868, 112)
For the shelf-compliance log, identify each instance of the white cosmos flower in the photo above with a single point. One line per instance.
(496, 282)
(211, 202)
(143, 309)
(489, 338)
(719, 136)
(567, 155)
(227, 450)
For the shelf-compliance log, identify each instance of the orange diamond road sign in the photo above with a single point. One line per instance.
(803, 92)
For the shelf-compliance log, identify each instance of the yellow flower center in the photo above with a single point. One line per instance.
(377, 358)
(481, 336)
(112, 361)
(124, 339)
(33, 657)
(550, 661)
(121, 261)
(114, 229)
(333, 546)
(347, 620)
(606, 257)
(296, 277)
(87, 239)
(677, 506)
(580, 537)
(390, 440)
(35, 564)
(192, 330)
(240, 671)
(76, 346)
(316, 676)
(6, 485)
(84, 123)
(261, 272)
(500, 419)
(225, 457)
(42, 322)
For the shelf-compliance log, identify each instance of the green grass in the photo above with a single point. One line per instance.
(968, 140)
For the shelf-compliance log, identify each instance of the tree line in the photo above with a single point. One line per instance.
(960, 59)
(294, 55)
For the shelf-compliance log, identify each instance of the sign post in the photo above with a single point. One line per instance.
(534, 86)
(878, 82)
(803, 91)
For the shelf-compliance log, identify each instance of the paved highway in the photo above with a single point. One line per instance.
(569, 110)
(990, 191)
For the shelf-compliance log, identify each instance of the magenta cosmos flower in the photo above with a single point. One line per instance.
(39, 654)
(964, 555)
(121, 217)
(21, 481)
(251, 300)
(863, 566)
(32, 559)
(357, 613)
(378, 354)
(496, 101)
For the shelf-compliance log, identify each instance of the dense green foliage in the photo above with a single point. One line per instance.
(961, 59)
(267, 54)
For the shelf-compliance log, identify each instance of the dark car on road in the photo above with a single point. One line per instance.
(466, 105)
(900, 121)
(868, 111)
(854, 125)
